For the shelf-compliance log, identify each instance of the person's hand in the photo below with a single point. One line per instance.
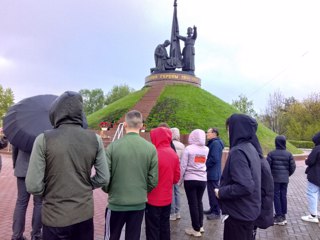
(216, 191)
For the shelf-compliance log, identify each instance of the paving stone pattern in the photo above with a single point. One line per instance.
(295, 229)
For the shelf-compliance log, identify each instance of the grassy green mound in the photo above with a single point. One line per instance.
(115, 110)
(187, 108)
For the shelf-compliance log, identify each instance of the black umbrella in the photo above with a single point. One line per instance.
(26, 119)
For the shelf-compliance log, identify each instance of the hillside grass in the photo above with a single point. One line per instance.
(189, 108)
(115, 110)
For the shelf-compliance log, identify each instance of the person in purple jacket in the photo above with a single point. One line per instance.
(193, 172)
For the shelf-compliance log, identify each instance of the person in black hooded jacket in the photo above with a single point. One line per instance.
(282, 166)
(313, 176)
(240, 189)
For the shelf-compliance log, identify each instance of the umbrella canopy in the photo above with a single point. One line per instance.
(26, 119)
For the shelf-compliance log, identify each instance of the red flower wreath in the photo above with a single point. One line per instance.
(104, 125)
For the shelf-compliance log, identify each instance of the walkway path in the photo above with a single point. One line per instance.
(144, 105)
(296, 228)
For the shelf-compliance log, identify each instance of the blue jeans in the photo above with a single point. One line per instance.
(280, 198)
(313, 198)
(175, 204)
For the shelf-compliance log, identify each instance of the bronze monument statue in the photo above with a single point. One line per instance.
(176, 59)
(188, 50)
(161, 56)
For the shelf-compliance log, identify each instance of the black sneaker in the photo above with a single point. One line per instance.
(279, 220)
(284, 220)
(207, 212)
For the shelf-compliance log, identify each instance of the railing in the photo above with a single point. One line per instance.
(119, 132)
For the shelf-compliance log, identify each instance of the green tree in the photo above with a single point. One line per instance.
(304, 118)
(93, 100)
(296, 120)
(117, 92)
(274, 112)
(244, 105)
(6, 100)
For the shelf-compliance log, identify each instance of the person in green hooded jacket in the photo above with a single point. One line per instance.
(60, 170)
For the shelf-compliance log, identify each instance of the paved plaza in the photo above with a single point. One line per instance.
(295, 229)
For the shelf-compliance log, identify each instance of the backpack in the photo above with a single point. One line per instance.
(265, 218)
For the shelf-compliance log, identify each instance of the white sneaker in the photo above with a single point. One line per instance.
(178, 216)
(202, 230)
(173, 217)
(309, 218)
(192, 232)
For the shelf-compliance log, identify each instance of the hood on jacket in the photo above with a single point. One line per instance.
(316, 138)
(280, 142)
(197, 137)
(243, 128)
(67, 109)
(175, 134)
(161, 137)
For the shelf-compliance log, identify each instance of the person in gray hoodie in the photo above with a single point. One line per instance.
(175, 205)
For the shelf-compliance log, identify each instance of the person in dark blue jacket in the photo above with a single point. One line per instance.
(213, 165)
(240, 187)
(313, 176)
(282, 166)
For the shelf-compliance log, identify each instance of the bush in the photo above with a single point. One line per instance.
(163, 111)
(302, 144)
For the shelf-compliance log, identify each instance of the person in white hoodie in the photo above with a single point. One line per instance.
(175, 205)
(193, 172)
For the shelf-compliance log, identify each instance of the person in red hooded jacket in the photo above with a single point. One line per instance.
(159, 199)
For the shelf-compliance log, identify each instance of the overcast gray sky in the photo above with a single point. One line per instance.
(249, 47)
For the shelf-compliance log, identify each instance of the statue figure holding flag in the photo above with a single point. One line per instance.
(176, 59)
(188, 51)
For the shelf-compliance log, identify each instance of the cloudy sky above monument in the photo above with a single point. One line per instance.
(249, 47)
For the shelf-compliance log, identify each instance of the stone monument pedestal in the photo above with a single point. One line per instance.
(172, 77)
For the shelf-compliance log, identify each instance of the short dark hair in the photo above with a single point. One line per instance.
(215, 130)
